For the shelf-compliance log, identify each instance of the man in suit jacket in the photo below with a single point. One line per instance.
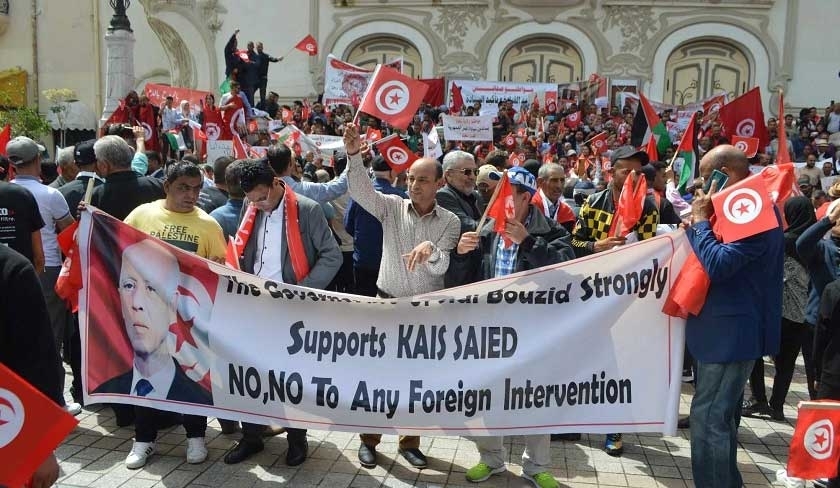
(268, 254)
(740, 322)
(459, 195)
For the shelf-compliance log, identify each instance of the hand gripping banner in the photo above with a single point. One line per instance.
(576, 347)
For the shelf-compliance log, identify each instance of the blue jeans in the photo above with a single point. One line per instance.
(715, 415)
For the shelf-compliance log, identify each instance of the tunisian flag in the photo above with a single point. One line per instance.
(31, 426)
(501, 208)
(396, 154)
(456, 100)
(745, 117)
(573, 120)
(147, 121)
(5, 137)
(599, 143)
(814, 446)
(393, 97)
(69, 280)
(308, 45)
(749, 145)
(744, 210)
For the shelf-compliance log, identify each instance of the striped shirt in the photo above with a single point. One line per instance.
(402, 230)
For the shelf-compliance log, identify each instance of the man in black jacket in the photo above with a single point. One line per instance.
(459, 195)
(264, 58)
(532, 241)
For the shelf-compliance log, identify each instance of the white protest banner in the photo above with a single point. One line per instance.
(217, 149)
(580, 346)
(475, 128)
(344, 82)
(327, 144)
(493, 92)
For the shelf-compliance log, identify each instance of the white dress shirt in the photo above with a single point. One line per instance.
(161, 381)
(268, 260)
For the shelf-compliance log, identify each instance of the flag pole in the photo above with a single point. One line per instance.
(490, 203)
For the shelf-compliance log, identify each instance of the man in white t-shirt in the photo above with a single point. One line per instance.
(25, 154)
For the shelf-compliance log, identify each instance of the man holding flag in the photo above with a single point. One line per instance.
(739, 322)
(601, 213)
(530, 240)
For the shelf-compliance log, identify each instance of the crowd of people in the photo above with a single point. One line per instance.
(368, 229)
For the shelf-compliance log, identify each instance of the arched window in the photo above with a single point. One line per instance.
(384, 49)
(541, 60)
(700, 69)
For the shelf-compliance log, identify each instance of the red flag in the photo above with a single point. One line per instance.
(535, 105)
(516, 159)
(521, 132)
(509, 141)
(243, 55)
(631, 204)
(782, 153)
(714, 104)
(5, 137)
(393, 97)
(306, 110)
(745, 117)
(149, 124)
(239, 149)
(396, 154)
(652, 152)
(31, 425)
(308, 45)
(502, 208)
(598, 143)
(573, 120)
(287, 115)
(688, 294)
(749, 145)
(355, 100)
(743, 210)
(69, 280)
(231, 258)
(120, 115)
(548, 157)
(214, 126)
(551, 102)
(456, 100)
(373, 135)
(814, 446)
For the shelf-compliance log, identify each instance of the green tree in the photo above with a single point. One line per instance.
(25, 121)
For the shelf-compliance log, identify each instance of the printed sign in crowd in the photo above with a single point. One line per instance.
(551, 350)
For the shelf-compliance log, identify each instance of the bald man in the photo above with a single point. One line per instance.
(418, 235)
(739, 323)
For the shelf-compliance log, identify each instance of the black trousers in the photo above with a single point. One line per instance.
(262, 87)
(343, 281)
(249, 90)
(147, 420)
(73, 352)
(793, 336)
(252, 434)
(365, 279)
(808, 357)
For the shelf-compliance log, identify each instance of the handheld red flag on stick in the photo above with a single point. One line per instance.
(814, 447)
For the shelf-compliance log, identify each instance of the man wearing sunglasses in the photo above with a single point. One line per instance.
(459, 195)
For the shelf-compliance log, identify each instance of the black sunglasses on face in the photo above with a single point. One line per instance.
(466, 171)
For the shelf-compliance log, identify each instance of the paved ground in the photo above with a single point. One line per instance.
(92, 456)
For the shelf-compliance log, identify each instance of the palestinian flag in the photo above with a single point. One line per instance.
(646, 124)
(688, 153)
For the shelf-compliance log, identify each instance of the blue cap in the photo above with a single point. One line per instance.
(519, 176)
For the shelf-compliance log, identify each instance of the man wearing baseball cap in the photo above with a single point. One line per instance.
(86, 162)
(592, 230)
(535, 241)
(485, 185)
(25, 155)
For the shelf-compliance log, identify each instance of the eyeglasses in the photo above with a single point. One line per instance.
(466, 171)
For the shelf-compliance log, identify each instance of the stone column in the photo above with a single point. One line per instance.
(119, 71)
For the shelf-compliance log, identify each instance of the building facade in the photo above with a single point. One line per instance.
(675, 51)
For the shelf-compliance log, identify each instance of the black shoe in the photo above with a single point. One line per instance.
(297, 452)
(777, 414)
(684, 423)
(753, 408)
(229, 426)
(367, 456)
(242, 451)
(414, 457)
(565, 437)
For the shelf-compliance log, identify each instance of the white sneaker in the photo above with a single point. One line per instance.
(789, 481)
(73, 408)
(140, 452)
(196, 451)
